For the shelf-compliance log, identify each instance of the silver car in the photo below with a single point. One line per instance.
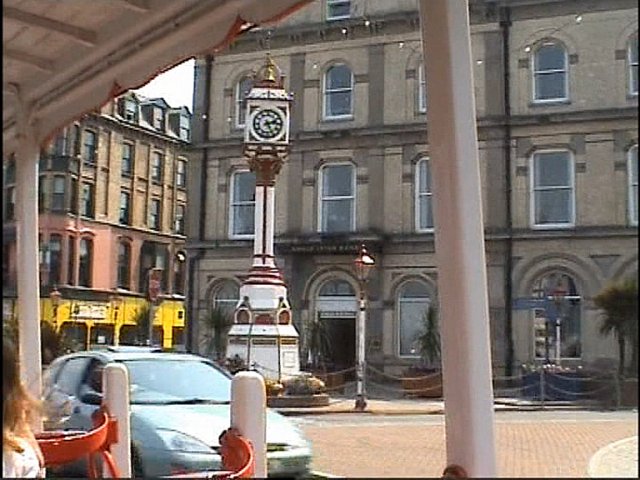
(179, 407)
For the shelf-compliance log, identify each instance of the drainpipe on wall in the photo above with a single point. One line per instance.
(194, 261)
(505, 25)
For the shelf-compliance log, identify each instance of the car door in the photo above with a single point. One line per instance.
(64, 399)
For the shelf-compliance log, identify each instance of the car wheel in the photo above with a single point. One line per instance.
(136, 463)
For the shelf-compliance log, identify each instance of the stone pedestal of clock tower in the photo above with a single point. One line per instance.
(263, 334)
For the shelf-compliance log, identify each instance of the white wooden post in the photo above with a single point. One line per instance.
(115, 379)
(459, 237)
(28, 269)
(249, 415)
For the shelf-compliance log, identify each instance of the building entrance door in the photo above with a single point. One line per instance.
(342, 341)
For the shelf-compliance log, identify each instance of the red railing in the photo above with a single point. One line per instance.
(61, 447)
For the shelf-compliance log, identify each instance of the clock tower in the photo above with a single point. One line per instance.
(263, 334)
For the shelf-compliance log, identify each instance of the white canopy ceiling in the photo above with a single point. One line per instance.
(62, 59)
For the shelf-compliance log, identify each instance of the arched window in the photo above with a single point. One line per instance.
(226, 296)
(422, 89)
(550, 73)
(124, 265)
(337, 198)
(632, 58)
(336, 288)
(413, 305)
(338, 92)
(633, 185)
(424, 195)
(242, 89)
(85, 273)
(560, 308)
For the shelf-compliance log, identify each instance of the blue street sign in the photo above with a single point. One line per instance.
(531, 303)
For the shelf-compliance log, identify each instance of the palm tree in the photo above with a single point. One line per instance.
(319, 342)
(141, 319)
(429, 338)
(619, 302)
(217, 323)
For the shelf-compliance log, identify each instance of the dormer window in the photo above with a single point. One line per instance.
(338, 9)
(158, 118)
(185, 128)
(130, 112)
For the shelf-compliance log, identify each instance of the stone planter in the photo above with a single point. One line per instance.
(299, 401)
(425, 385)
(333, 382)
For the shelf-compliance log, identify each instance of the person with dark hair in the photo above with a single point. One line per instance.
(21, 456)
(454, 471)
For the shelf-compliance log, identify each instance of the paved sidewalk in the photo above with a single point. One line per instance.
(616, 460)
(418, 407)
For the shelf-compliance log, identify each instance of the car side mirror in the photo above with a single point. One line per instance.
(92, 398)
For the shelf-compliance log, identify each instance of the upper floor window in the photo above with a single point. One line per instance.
(633, 64)
(158, 118)
(633, 185)
(338, 92)
(242, 90)
(60, 144)
(185, 128)
(552, 189)
(85, 272)
(338, 9)
(55, 259)
(154, 214)
(57, 198)
(10, 203)
(550, 73)
(424, 207)
(157, 160)
(181, 174)
(337, 198)
(422, 90)
(242, 204)
(89, 146)
(127, 159)
(71, 247)
(86, 202)
(124, 265)
(125, 208)
(180, 219)
(130, 109)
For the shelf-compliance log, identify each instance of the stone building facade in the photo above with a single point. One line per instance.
(556, 89)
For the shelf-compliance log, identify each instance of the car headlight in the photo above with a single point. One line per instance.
(182, 442)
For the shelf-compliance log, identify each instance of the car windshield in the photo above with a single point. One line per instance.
(161, 381)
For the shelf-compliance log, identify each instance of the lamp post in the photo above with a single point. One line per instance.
(55, 297)
(558, 297)
(115, 300)
(363, 263)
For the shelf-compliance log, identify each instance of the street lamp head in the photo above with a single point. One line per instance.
(364, 262)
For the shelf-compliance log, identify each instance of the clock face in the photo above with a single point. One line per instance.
(268, 124)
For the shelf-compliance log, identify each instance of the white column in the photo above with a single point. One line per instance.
(270, 199)
(258, 228)
(28, 270)
(116, 399)
(249, 415)
(360, 361)
(459, 237)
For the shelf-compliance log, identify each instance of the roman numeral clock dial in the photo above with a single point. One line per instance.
(268, 124)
